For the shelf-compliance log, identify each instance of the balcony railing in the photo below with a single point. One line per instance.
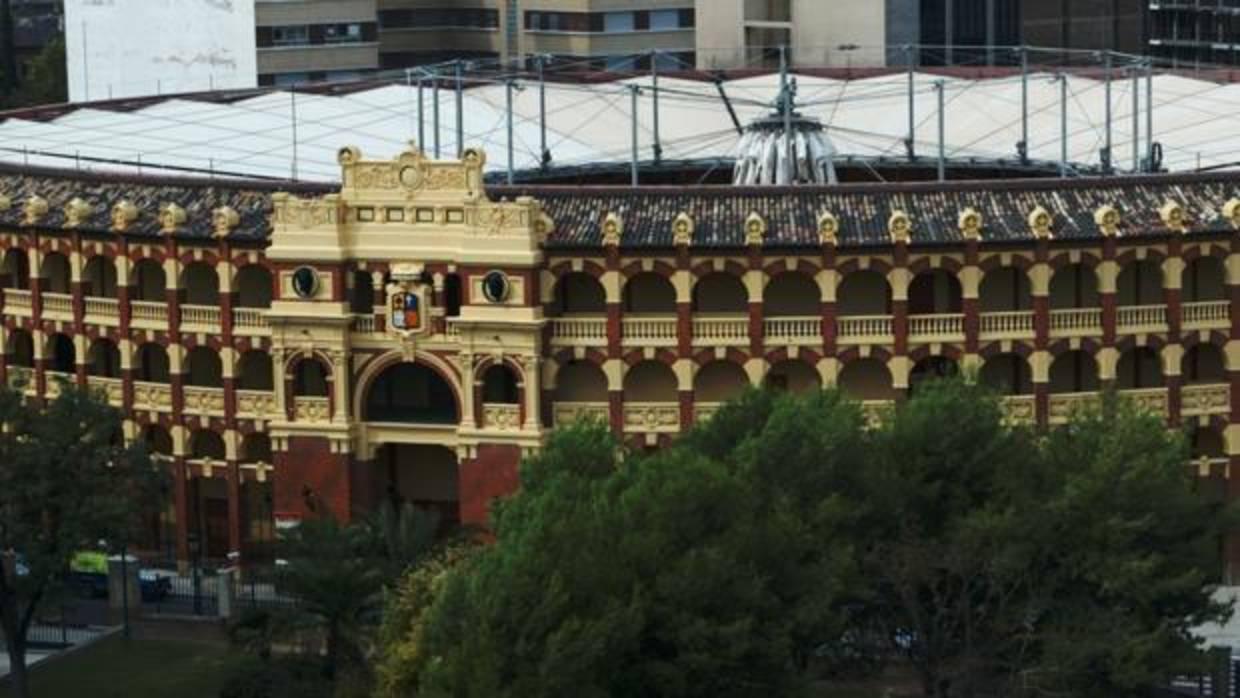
(565, 413)
(257, 404)
(865, 329)
(200, 318)
(112, 388)
(21, 375)
(589, 332)
(1020, 409)
(148, 314)
(649, 331)
(152, 397)
(204, 402)
(1062, 405)
(703, 411)
(652, 417)
(500, 416)
(54, 380)
(364, 324)
(1141, 318)
(1016, 323)
(793, 330)
(57, 306)
(250, 321)
(942, 326)
(1198, 400)
(721, 331)
(17, 302)
(103, 311)
(308, 408)
(1206, 315)
(1076, 321)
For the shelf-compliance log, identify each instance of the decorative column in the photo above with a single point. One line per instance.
(341, 372)
(1108, 276)
(613, 230)
(682, 280)
(755, 282)
(469, 390)
(379, 302)
(1039, 290)
(828, 283)
(77, 294)
(970, 223)
(899, 228)
(37, 336)
(1173, 217)
(531, 367)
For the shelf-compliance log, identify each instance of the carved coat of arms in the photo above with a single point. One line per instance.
(408, 312)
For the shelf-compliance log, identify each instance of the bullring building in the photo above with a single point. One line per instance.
(289, 349)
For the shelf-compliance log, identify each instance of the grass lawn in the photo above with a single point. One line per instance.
(113, 668)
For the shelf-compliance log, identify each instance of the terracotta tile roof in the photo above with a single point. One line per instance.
(718, 212)
(792, 214)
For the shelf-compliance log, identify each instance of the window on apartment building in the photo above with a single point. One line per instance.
(293, 35)
(439, 18)
(610, 22)
(618, 22)
(768, 10)
(342, 33)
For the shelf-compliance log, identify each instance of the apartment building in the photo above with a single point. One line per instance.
(1193, 32)
(311, 40)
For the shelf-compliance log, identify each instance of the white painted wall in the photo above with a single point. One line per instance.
(127, 48)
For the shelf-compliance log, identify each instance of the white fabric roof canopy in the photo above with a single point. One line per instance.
(279, 134)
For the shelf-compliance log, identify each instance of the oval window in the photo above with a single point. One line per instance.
(305, 282)
(495, 286)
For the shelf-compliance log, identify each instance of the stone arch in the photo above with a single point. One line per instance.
(310, 377)
(201, 284)
(1007, 374)
(152, 365)
(1203, 363)
(1204, 280)
(150, 283)
(15, 269)
(1074, 371)
(501, 384)
(792, 294)
(410, 392)
(158, 440)
(1074, 286)
(932, 367)
(103, 359)
(650, 381)
(61, 353)
(578, 293)
(863, 292)
(1005, 289)
(255, 371)
(206, 444)
(580, 381)
(719, 381)
(99, 277)
(934, 292)
(55, 273)
(203, 368)
(256, 448)
(1139, 367)
(794, 376)
(1139, 283)
(19, 349)
(649, 292)
(866, 379)
(722, 293)
(254, 286)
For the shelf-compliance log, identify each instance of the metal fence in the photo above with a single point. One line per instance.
(197, 591)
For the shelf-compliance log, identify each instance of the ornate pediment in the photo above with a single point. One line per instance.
(409, 207)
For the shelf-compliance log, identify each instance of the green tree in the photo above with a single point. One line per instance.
(47, 79)
(786, 541)
(704, 570)
(62, 466)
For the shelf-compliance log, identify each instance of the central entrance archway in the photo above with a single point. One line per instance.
(411, 393)
(428, 477)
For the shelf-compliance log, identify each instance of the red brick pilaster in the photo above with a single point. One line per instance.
(757, 321)
(1042, 333)
(899, 306)
(1107, 298)
(969, 306)
(829, 308)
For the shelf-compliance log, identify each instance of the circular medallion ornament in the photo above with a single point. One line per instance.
(496, 287)
(305, 282)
